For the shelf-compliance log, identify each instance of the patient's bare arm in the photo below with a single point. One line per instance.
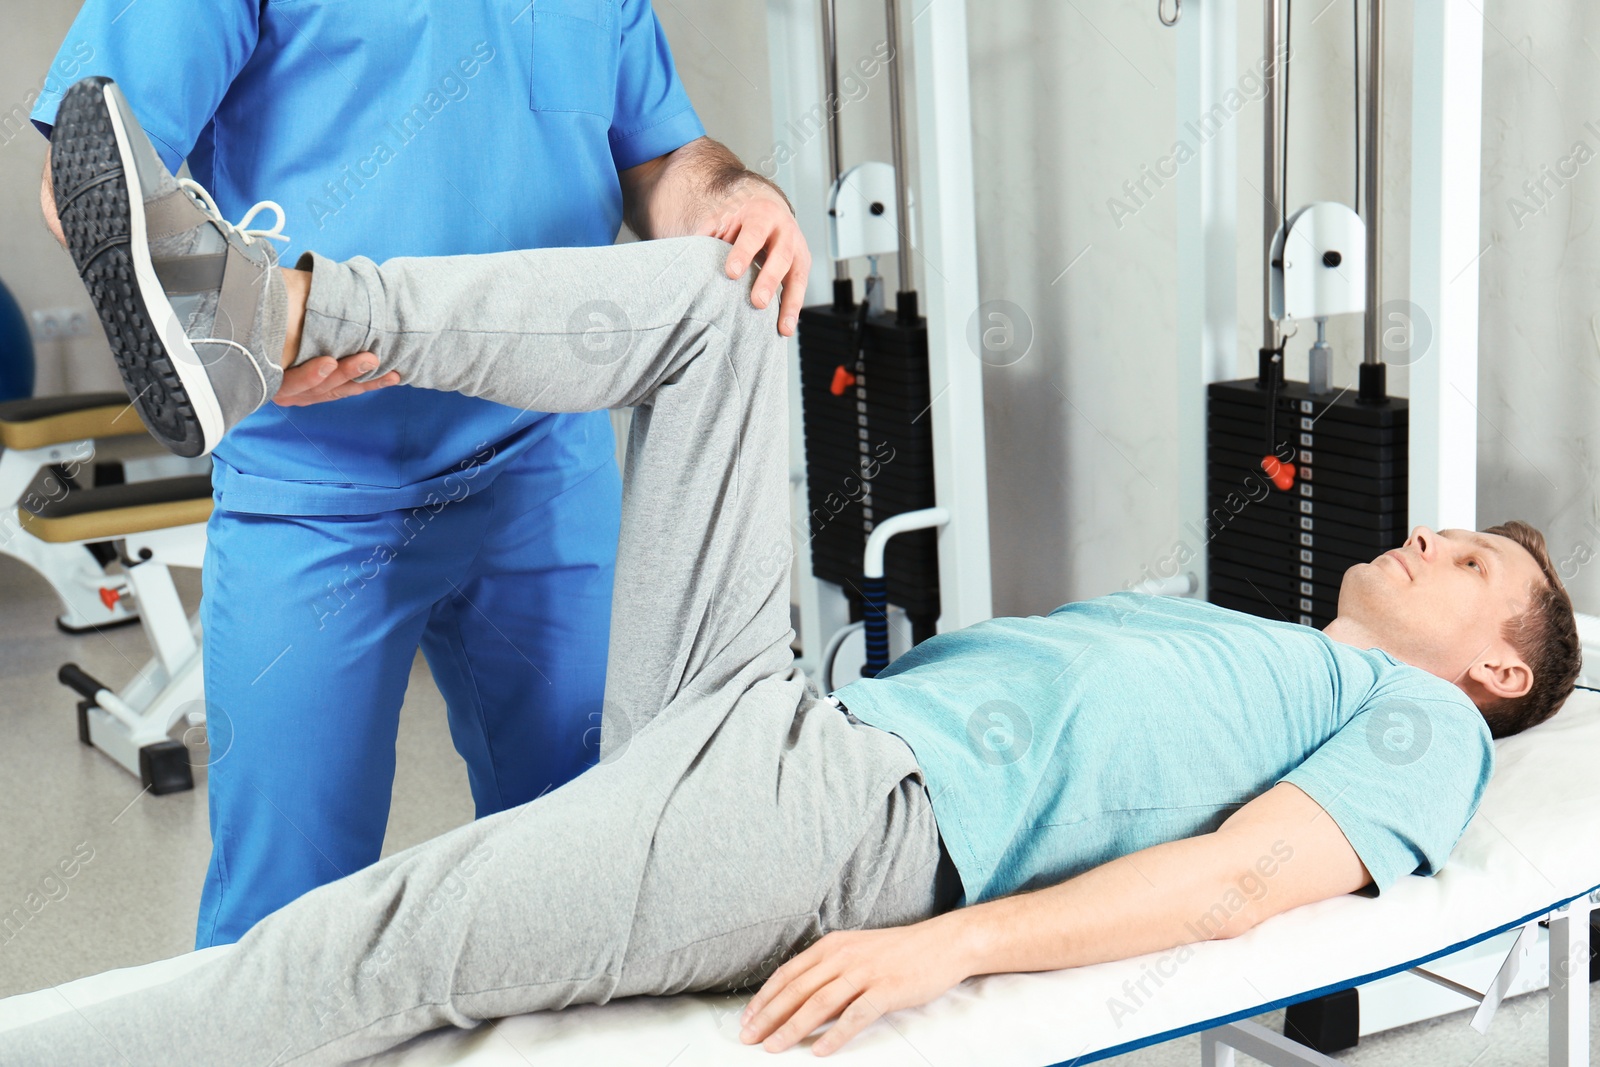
(1277, 852)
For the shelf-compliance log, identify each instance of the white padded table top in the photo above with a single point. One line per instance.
(1534, 844)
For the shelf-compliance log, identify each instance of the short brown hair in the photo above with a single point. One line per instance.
(1545, 636)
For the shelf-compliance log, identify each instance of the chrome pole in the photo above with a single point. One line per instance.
(1374, 181)
(1270, 171)
(830, 71)
(898, 127)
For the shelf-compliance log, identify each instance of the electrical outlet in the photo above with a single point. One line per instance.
(59, 324)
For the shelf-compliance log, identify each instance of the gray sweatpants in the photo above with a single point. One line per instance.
(733, 818)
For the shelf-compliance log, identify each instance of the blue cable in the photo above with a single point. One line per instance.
(875, 604)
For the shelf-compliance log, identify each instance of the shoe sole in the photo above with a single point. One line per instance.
(102, 215)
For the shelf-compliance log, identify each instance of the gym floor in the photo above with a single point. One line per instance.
(136, 899)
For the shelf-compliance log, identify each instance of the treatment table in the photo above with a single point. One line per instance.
(1532, 852)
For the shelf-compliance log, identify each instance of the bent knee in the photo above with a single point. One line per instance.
(728, 298)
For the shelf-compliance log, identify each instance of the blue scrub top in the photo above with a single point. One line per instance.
(395, 128)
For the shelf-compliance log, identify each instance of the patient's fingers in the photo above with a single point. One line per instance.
(857, 976)
(859, 1014)
(357, 388)
(325, 378)
(826, 1003)
(786, 989)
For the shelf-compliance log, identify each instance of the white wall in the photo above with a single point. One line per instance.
(1540, 342)
(33, 266)
(1070, 99)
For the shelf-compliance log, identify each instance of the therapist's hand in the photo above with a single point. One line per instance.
(702, 189)
(759, 225)
(854, 976)
(325, 378)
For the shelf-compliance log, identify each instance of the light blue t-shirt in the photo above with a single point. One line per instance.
(1051, 745)
(396, 128)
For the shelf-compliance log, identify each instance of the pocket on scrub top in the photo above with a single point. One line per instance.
(575, 54)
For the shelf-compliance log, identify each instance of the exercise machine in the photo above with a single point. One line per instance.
(1433, 479)
(941, 239)
(153, 526)
(49, 446)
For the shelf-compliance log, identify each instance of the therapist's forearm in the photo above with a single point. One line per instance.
(685, 192)
(1154, 899)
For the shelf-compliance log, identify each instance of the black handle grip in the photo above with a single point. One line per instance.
(76, 678)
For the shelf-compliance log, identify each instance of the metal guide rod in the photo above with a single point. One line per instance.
(947, 237)
(897, 125)
(830, 71)
(1374, 181)
(1270, 177)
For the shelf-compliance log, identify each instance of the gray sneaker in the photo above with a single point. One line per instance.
(193, 306)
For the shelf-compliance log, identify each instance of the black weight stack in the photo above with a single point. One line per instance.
(1282, 554)
(869, 451)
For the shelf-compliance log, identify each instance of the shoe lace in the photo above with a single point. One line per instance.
(198, 191)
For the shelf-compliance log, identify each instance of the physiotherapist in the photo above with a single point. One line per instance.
(345, 536)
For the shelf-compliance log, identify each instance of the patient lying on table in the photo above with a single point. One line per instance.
(1121, 776)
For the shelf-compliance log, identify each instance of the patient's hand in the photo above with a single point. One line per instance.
(855, 976)
(325, 378)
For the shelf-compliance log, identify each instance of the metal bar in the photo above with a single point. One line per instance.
(115, 739)
(950, 243)
(906, 521)
(1253, 1039)
(1454, 987)
(165, 622)
(1569, 985)
(799, 165)
(1272, 173)
(1446, 166)
(119, 709)
(897, 124)
(1213, 1053)
(830, 75)
(1507, 974)
(1374, 182)
(1208, 250)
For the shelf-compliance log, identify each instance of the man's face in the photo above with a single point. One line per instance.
(1441, 600)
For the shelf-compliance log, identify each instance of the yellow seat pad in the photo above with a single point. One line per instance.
(109, 512)
(43, 421)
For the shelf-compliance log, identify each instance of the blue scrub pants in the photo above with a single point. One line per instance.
(311, 626)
